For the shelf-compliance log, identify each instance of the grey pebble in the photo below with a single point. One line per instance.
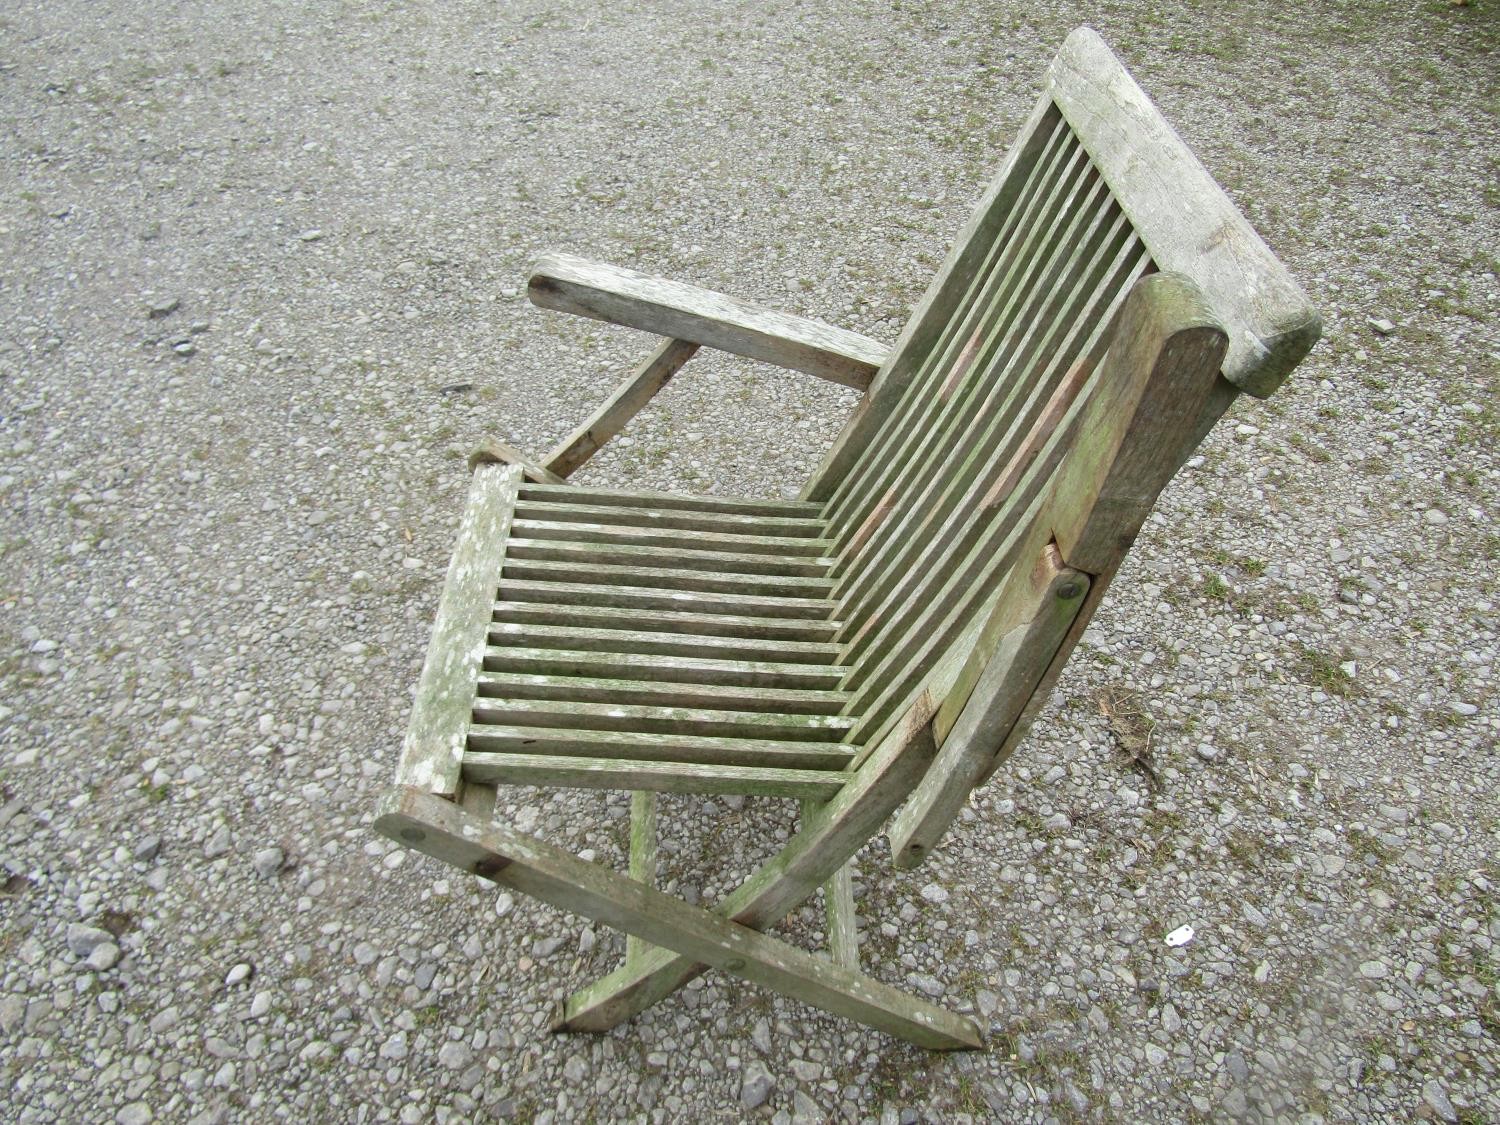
(805, 1111)
(219, 843)
(164, 1021)
(1435, 1096)
(756, 1085)
(103, 957)
(268, 862)
(760, 1035)
(12, 1012)
(82, 940)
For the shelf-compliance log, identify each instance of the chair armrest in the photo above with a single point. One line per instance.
(685, 312)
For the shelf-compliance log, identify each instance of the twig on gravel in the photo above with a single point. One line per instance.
(1131, 730)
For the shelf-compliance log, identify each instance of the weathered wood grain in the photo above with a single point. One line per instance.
(592, 555)
(670, 501)
(966, 257)
(671, 538)
(644, 642)
(647, 719)
(664, 621)
(676, 669)
(842, 918)
(792, 611)
(489, 737)
(827, 839)
(663, 777)
(663, 693)
(1152, 389)
(642, 859)
(686, 312)
(1187, 221)
(433, 750)
(990, 308)
(559, 567)
(800, 527)
(999, 677)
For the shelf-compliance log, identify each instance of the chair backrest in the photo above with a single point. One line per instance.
(940, 485)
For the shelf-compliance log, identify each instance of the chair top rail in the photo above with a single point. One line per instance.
(1184, 217)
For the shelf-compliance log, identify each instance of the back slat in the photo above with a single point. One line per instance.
(952, 492)
(860, 489)
(938, 523)
(1023, 360)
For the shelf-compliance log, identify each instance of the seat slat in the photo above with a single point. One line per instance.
(663, 501)
(510, 633)
(628, 690)
(683, 582)
(793, 611)
(652, 747)
(663, 777)
(611, 534)
(676, 669)
(576, 715)
(605, 554)
(727, 523)
(663, 621)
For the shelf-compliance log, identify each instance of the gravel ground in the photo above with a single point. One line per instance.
(261, 276)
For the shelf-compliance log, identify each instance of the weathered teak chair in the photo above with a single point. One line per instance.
(882, 643)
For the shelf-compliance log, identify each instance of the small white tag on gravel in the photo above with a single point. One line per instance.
(1180, 936)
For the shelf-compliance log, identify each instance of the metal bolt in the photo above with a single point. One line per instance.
(1069, 591)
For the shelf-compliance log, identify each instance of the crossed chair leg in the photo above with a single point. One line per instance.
(681, 941)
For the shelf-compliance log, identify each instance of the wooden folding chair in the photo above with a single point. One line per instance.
(883, 643)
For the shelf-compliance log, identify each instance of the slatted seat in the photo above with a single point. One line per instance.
(659, 643)
(879, 646)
